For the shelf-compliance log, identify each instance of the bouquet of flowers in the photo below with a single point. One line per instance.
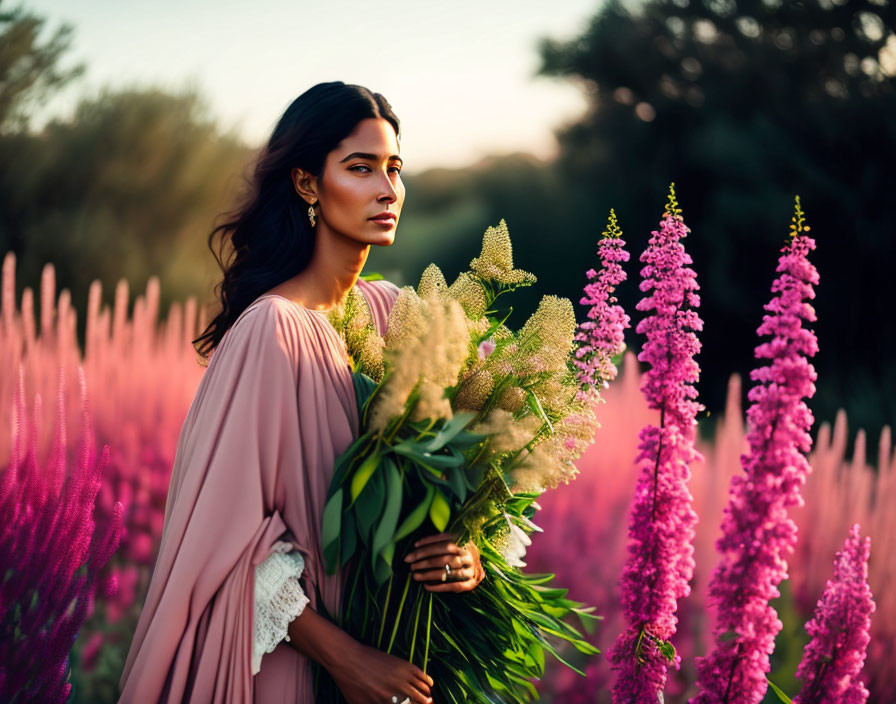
(464, 422)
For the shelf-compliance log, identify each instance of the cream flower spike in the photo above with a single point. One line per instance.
(469, 293)
(432, 281)
(550, 331)
(406, 320)
(496, 260)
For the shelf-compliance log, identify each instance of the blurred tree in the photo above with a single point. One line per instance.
(29, 71)
(744, 103)
(128, 187)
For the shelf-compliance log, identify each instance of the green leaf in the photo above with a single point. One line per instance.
(332, 518)
(778, 691)
(553, 651)
(587, 619)
(465, 439)
(385, 530)
(369, 507)
(501, 317)
(551, 593)
(349, 538)
(364, 387)
(452, 427)
(382, 567)
(416, 517)
(345, 460)
(362, 476)
(536, 408)
(666, 649)
(439, 511)
(330, 530)
(457, 481)
(372, 276)
(417, 452)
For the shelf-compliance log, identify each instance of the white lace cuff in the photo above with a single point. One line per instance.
(279, 598)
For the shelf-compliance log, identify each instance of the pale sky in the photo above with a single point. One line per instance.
(459, 73)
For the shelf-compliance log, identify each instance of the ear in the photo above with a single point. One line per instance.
(305, 185)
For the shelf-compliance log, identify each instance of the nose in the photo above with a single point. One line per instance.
(388, 194)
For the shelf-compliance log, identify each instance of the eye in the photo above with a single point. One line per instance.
(396, 169)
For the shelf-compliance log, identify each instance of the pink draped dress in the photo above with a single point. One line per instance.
(254, 459)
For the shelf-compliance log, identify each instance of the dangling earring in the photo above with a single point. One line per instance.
(311, 215)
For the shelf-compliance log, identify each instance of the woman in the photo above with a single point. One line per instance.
(274, 409)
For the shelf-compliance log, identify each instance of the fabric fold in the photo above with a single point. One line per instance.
(254, 459)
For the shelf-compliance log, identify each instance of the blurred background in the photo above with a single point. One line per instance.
(126, 129)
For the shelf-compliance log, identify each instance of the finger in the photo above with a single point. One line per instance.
(433, 549)
(421, 675)
(438, 537)
(456, 562)
(464, 586)
(415, 694)
(454, 569)
(436, 575)
(422, 685)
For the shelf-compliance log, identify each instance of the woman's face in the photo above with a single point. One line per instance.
(362, 179)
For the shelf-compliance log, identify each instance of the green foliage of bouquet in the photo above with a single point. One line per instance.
(464, 422)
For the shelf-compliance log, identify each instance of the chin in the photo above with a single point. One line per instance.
(384, 240)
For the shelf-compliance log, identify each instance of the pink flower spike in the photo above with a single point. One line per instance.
(601, 337)
(757, 534)
(660, 560)
(840, 629)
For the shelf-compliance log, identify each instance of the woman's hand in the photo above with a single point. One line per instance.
(366, 675)
(432, 553)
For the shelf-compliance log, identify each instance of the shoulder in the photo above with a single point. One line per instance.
(268, 323)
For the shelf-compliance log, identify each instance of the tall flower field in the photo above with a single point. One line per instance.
(585, 543)
(139, 377)
(140, 374)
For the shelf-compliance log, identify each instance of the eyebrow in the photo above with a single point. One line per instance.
(371, 157)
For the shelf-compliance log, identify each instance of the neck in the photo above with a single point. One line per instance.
(334, 269)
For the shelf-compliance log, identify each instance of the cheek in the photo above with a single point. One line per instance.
(345, 197)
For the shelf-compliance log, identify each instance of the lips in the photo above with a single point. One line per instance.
(384, 218)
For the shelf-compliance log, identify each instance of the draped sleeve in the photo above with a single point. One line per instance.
(254, 459)
(279, 597)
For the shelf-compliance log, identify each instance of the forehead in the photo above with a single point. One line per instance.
(373, 134)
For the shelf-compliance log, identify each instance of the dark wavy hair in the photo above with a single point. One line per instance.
(268, 239)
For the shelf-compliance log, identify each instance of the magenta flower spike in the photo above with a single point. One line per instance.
(840, 630)
(757, 534)
(660, 560)
(601, 337)
(50, 552)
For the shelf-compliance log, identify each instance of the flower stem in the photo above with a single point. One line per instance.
(347, 609)
(419, 601)
(407, 583)
(428, 625)
(379, 638)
